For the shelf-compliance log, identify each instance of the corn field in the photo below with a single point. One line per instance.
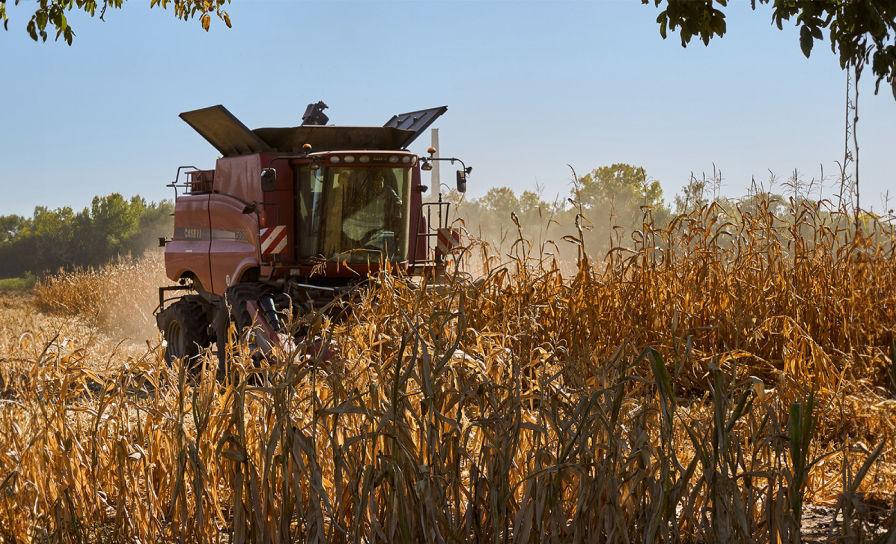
(717, 380)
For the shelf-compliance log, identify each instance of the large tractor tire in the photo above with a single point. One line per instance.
(185, 328)
(239, 295)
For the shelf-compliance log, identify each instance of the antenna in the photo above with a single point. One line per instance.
(434, 180)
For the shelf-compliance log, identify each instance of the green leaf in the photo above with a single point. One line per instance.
(806, 40)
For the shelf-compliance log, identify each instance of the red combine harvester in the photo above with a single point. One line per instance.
(291, 219)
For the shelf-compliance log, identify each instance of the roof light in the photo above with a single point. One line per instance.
(364, 159)
(334, 159)
(393, 159)
(407, 159)
(349, 159)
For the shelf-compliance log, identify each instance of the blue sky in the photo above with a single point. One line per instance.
(530, 86)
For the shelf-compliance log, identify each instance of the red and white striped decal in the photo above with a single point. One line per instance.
(272, 240)
(447, 239)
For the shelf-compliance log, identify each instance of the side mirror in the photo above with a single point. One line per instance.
(461, 181)
(268, 180)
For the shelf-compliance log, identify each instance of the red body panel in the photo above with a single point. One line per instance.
(418, 248)
(279, 205)
(187, 254)
(238, 177)
(234, 243)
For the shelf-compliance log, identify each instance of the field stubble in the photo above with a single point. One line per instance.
(704, 384)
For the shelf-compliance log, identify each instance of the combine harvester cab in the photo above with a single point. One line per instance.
(291, 219)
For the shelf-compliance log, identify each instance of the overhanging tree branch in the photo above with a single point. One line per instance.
(52, 14)
(861, 32)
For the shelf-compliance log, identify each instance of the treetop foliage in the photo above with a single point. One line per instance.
(861, 32)
(52, 13)
(619, 184)
(612, 201)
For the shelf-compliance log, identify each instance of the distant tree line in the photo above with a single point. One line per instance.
(611, 206)
(608, 203)
(112, 226)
